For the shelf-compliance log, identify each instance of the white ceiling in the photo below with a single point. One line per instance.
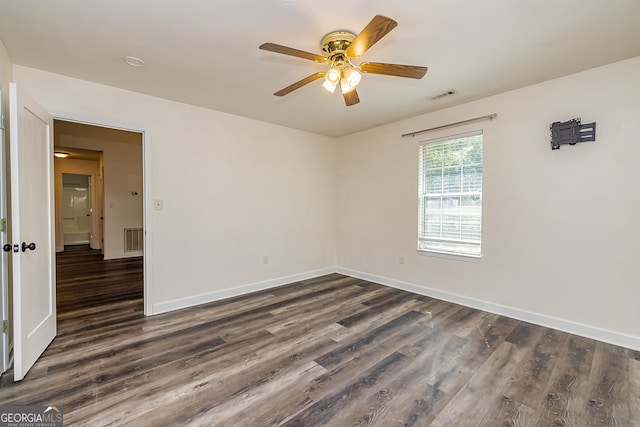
(206, 52)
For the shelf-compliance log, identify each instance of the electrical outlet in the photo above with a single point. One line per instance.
(265, 259)
(401, 259)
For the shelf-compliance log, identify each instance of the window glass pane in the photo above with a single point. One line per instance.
(470, 201)
(433, 203)
(434, 182)
(451, 195)
(472, 179)
(433, 158)
(434, 229)
(449, 203)
(472, 152)
(451, 180)
(451, 154)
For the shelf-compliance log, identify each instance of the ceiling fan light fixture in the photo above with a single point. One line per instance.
(345, 86)
(339, 48)
(334, 73)
(328, 85)
(352, 76)
(332, 77)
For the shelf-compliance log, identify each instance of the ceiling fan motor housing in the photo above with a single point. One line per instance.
(335, 44)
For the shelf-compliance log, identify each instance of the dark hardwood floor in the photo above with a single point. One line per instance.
(85, 280)
(333, 351)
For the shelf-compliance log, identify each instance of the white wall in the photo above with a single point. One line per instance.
(234, 189)
(560, 228)
(122, 175)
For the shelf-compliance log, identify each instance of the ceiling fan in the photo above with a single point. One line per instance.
(339, 49)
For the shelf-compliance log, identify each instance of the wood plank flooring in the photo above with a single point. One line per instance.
(330, 351)
(85, 280)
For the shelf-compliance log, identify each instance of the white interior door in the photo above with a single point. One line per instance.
(32, 235)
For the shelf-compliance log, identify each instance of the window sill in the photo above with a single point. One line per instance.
(447, 255)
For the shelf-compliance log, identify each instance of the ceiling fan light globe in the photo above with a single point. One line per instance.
(329, 86)
(333, 75)
(352, 76)
(345, 86)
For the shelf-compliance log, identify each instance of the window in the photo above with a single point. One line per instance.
(450, 195)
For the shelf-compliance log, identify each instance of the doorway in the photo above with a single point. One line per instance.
(76, 209)
(79, 193)
(99, 199)
(23, 104)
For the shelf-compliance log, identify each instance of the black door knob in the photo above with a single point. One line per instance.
(6, 247)
(30, 246)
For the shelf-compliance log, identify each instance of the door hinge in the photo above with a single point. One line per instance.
(3, 224)
(5, 326)
(1, 122)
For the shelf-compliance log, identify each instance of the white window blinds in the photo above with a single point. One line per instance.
(450, 195)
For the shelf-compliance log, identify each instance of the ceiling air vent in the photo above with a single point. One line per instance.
(443, 95)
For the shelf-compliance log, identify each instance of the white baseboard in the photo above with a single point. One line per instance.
(176, 304)
(596, 333)
(588, 331)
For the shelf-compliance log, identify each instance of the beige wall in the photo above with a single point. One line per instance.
(6, 71)
(122, 175)
(560, 228)
(234, 190)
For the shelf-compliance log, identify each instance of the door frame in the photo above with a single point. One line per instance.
(6, 341)
(147, 200)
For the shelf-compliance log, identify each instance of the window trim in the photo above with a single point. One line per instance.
(433, 252)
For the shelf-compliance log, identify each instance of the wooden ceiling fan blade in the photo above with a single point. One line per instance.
(277, 48)
(398, 70)
(372, 33)
(299, 84)
(351, 97)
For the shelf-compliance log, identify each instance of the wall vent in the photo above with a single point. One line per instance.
(133, 238)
